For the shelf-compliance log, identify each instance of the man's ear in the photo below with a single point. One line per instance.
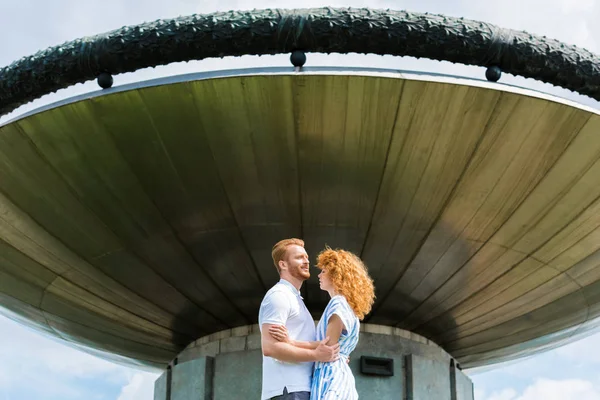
(282, 265)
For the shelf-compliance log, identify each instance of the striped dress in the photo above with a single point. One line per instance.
(334, 380)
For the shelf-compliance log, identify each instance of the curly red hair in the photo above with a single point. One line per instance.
(350, 278)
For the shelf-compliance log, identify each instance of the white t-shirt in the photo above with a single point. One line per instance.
(283, 305)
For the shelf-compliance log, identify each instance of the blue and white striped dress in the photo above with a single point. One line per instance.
(334, 380)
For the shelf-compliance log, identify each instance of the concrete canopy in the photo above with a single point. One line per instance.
(136, 221)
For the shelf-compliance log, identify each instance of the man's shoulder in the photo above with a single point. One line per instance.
(277, 305)
(278, 288)
(278, 291)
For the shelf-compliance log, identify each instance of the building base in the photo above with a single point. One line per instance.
(388, 363)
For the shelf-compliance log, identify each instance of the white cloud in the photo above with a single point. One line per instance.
(571, 389)
(547, 389)
(581, 351)
(506, 394)
(30, 348)
(46, 368)
(576, 6)
(139, 387)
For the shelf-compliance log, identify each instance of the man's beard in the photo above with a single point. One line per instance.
(298, 273)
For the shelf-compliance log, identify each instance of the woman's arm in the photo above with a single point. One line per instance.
(285, 351)
(335, 326)
(280, 333)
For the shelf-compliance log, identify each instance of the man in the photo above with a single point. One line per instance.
(287, 370)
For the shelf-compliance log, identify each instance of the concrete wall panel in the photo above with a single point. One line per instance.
(238, 375)
(427, 379)
(464, 387)
(193, 380)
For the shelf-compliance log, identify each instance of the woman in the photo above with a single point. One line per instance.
(345, 277)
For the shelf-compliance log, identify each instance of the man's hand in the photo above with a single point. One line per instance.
(325, 353)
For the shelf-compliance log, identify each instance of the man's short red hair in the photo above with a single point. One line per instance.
(280, 248)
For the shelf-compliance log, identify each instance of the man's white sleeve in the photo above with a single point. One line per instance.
(275, 309)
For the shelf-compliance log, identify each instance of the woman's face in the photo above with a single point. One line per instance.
(325, 281)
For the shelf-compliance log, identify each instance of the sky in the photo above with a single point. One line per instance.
(33, 366)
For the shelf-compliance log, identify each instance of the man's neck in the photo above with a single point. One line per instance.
(297, 283)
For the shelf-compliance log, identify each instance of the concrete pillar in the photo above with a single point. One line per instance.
(427, 379)
(193, 380)
(227, 365)
(162, 386)
(463, 386)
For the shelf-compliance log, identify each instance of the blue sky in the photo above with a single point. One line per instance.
(33, 366)
(571, 372)
(36, 367)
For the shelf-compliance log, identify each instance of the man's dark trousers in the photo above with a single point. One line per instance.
(292, 396)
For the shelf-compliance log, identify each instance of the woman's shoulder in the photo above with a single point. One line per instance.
(339, 305)
(339, 301)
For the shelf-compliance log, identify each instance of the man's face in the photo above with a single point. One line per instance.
(297, 262)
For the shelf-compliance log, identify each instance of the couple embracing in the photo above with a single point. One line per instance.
(299, 361)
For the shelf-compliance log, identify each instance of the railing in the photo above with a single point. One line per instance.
(323, 30)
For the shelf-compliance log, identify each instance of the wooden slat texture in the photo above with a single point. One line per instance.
(98, 339)
(344, 126)
(255, 158)
(29, 181)
(494, 259)
(25, 314)
(135, 222)
(438, 128)
(64, 301)
(516, 153)
(563, 313)
(62, 297)
(103, 183)
(24, 235)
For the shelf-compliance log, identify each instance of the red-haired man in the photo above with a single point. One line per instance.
(287, 370)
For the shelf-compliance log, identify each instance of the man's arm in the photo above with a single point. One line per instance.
(335, 326)
(305, 345)
(280, 333)
(285, 351)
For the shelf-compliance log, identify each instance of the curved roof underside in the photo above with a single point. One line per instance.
(137, 221)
